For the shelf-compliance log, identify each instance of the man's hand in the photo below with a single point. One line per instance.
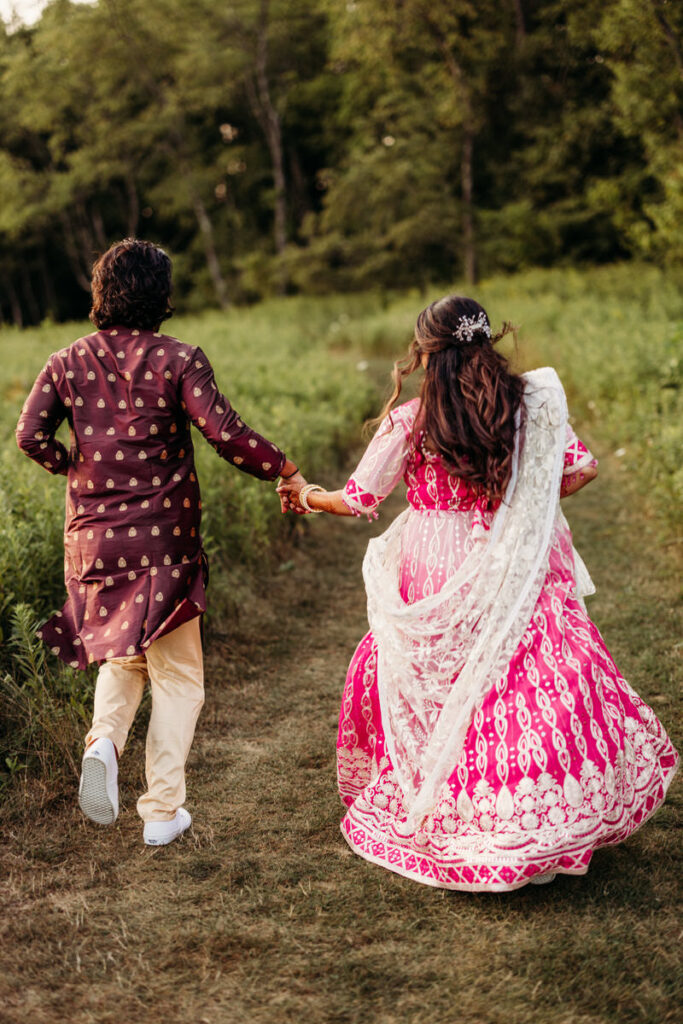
(288, 491)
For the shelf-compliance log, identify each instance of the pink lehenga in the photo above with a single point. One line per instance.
(486, 737)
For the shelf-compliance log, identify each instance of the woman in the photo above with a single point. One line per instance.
(486, 738)
(134, 566)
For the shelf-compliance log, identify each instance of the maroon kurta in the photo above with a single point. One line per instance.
(134, 564)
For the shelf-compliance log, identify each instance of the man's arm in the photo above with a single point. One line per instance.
(41, 416)
(212, 414)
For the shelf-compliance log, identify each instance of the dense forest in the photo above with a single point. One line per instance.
(312, 145)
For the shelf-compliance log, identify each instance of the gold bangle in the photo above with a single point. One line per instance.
(303, 497)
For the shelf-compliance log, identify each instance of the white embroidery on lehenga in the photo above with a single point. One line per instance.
(561, 755)
(438, 656)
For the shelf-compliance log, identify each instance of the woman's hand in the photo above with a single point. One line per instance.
(573, 482)
(318, 500)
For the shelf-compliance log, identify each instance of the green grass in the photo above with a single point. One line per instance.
(261, 914)
(290, 366)
(615, 336)
(274, 364)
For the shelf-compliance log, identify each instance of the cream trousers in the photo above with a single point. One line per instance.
(173, 664)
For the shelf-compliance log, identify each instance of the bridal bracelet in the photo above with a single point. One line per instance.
(303, 497)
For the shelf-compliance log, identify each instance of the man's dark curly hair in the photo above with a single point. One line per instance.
(131, 286)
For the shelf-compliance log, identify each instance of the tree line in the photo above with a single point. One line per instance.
(315, 145)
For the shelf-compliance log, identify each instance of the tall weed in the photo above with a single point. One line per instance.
(45, 707)
(295, 369)
(274, 365)
(615, 336)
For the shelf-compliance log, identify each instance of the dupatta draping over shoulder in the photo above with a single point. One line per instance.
(438, 657)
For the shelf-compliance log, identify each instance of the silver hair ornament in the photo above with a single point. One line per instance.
(470, 325)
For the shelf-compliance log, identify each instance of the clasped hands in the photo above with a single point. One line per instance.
(288, 491)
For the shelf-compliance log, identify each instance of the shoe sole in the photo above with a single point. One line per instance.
(93, 798)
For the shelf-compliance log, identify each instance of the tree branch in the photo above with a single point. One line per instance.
(671, 37)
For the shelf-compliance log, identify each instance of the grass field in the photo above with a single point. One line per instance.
(291, 367)
(275, 366)
(261, 915)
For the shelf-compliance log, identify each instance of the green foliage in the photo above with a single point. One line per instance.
(644, 49)
(614, 335)
(165, 134)
(274, 365)
(291, 368)
(617, 342)
(501, 135)
(309, 145)
(46, 707)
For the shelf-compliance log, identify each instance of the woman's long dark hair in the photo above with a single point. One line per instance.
(469, 398)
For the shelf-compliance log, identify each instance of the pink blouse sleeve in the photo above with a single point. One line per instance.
(577, 458)
(382, 465)
(576, 455)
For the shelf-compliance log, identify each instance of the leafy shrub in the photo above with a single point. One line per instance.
(290, 367)
(614, 335)
(274, 365)
(46, 706)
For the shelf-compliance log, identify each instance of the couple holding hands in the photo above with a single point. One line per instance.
(486, 737)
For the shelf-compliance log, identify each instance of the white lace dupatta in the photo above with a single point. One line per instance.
(471, 628)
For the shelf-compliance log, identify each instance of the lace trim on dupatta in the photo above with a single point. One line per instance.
(438, 657)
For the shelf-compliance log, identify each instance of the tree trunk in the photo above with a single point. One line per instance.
(520, 27)
(268, 118)
(463, 97)
(466, 186)
(49, 294)
(14, 303)
(98, 228)
(206, 228)
(669, 34)
(299, 200)
(32, 304)
(272, 129)
(73, 254)
(133, 208)
(87, 242)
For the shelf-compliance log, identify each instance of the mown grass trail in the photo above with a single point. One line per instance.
(262, 914)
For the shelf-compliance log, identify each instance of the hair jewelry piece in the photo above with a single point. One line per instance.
(470, 325)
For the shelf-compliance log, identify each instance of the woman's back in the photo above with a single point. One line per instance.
(451, 513)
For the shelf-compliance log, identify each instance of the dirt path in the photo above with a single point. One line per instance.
(262, 914)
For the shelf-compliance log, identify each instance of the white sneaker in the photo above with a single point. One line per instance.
(98, 793)
(159, 833)
(545, 879)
